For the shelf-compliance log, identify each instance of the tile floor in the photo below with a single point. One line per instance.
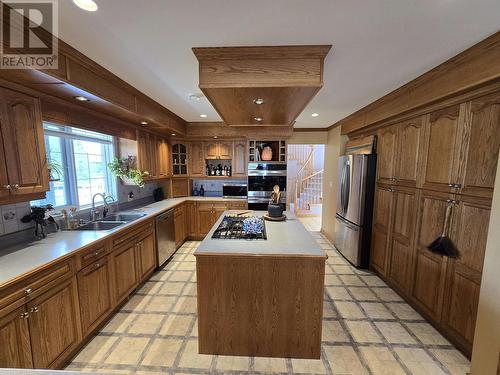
(367, 329)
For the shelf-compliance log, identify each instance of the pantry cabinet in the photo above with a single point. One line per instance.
(386, 154)
(23, 164)
(382, 220)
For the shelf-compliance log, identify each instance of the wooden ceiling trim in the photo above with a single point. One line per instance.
(470, 69)
(205, 130)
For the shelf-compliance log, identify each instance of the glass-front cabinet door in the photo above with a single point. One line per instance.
(179, 159)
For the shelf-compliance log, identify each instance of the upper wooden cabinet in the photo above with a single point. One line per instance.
(409, 152)
(481, 142)
(164, 165)
(399, 150)
(442, 149)
(196, 159)
(23, 164)
(386, 154)
(239, 166)
(219, 150)
(180, 159)
(461, 147)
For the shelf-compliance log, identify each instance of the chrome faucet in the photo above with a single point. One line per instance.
(95, 213)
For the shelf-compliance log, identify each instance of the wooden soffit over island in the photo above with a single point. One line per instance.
(285, 78)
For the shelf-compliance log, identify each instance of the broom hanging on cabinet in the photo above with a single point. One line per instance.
(443, 245)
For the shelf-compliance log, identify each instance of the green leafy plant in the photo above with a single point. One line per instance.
(56, 170)
(125, 169)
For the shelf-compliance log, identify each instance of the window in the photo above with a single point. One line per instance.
(84, 156)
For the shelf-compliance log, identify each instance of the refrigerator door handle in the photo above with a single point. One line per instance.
(342, 185)
(347, 186)
(347, 224)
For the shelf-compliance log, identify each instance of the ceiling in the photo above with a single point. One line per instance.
(378, 45)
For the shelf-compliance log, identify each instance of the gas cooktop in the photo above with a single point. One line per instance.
(231, 228)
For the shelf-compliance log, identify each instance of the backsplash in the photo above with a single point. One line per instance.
(11, 214)
(213, 188)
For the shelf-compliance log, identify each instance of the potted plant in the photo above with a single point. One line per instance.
(125, 169)
(56, 170)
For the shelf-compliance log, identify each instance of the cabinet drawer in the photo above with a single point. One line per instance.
(37, 284)
(122, 237)
(205, 206)
(92, 254)
(237, 205)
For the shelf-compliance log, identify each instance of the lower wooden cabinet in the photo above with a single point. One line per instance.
(146, 256)
(95, 293)
(15, 350)
(208, 214)
(382, 219)
(124, 265)
(54, 324)
(191, 219)
(180, 225)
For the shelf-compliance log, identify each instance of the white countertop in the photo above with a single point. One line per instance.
(286, 238)
(20, 259)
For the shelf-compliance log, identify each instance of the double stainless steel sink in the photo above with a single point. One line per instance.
(110, 222)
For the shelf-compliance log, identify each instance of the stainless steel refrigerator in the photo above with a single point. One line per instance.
(356, 185)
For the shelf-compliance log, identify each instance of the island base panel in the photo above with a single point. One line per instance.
(260, 305)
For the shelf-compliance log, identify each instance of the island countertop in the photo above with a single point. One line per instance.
(284, 238)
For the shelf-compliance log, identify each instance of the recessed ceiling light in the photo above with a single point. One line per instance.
(258, 119)
(203, 116)
(88, 5)
(315, 114)
(144, 122)
(195, 97)
(173, 134)
(258, 101)
(82, 98)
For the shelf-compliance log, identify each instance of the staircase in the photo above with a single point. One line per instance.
(306, 196)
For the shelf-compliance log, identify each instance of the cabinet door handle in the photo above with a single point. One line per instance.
(97, 265)
(35, 309)
(8, 187)
(28, 291)
(15, 186)
(24, 315)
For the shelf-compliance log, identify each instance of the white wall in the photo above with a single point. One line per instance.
(486, 348)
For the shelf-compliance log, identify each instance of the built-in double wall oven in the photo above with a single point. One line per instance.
(262, 177)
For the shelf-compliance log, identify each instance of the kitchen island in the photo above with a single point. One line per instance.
(261, 297)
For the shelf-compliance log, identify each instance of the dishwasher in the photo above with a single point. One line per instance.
(165, 236)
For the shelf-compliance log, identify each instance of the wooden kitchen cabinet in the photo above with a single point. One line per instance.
(399, 150)
(179, 225)
(191, 219)
(179, 187)
(219, 150)
(239, 165)
(410, 140)
(95, 293)
(401, 243)
(125, 270)
(54, 323)
(196, 159)
(164, 158)
(469, 232)
(430, 268)
(382, 220)
(15, 350)
(146, 255)
(180, 159)
(386, 154)
(443, 132)
(23, 164)
(208, 214)
(481, 143)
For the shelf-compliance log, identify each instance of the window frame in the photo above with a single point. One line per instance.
(68, 153)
